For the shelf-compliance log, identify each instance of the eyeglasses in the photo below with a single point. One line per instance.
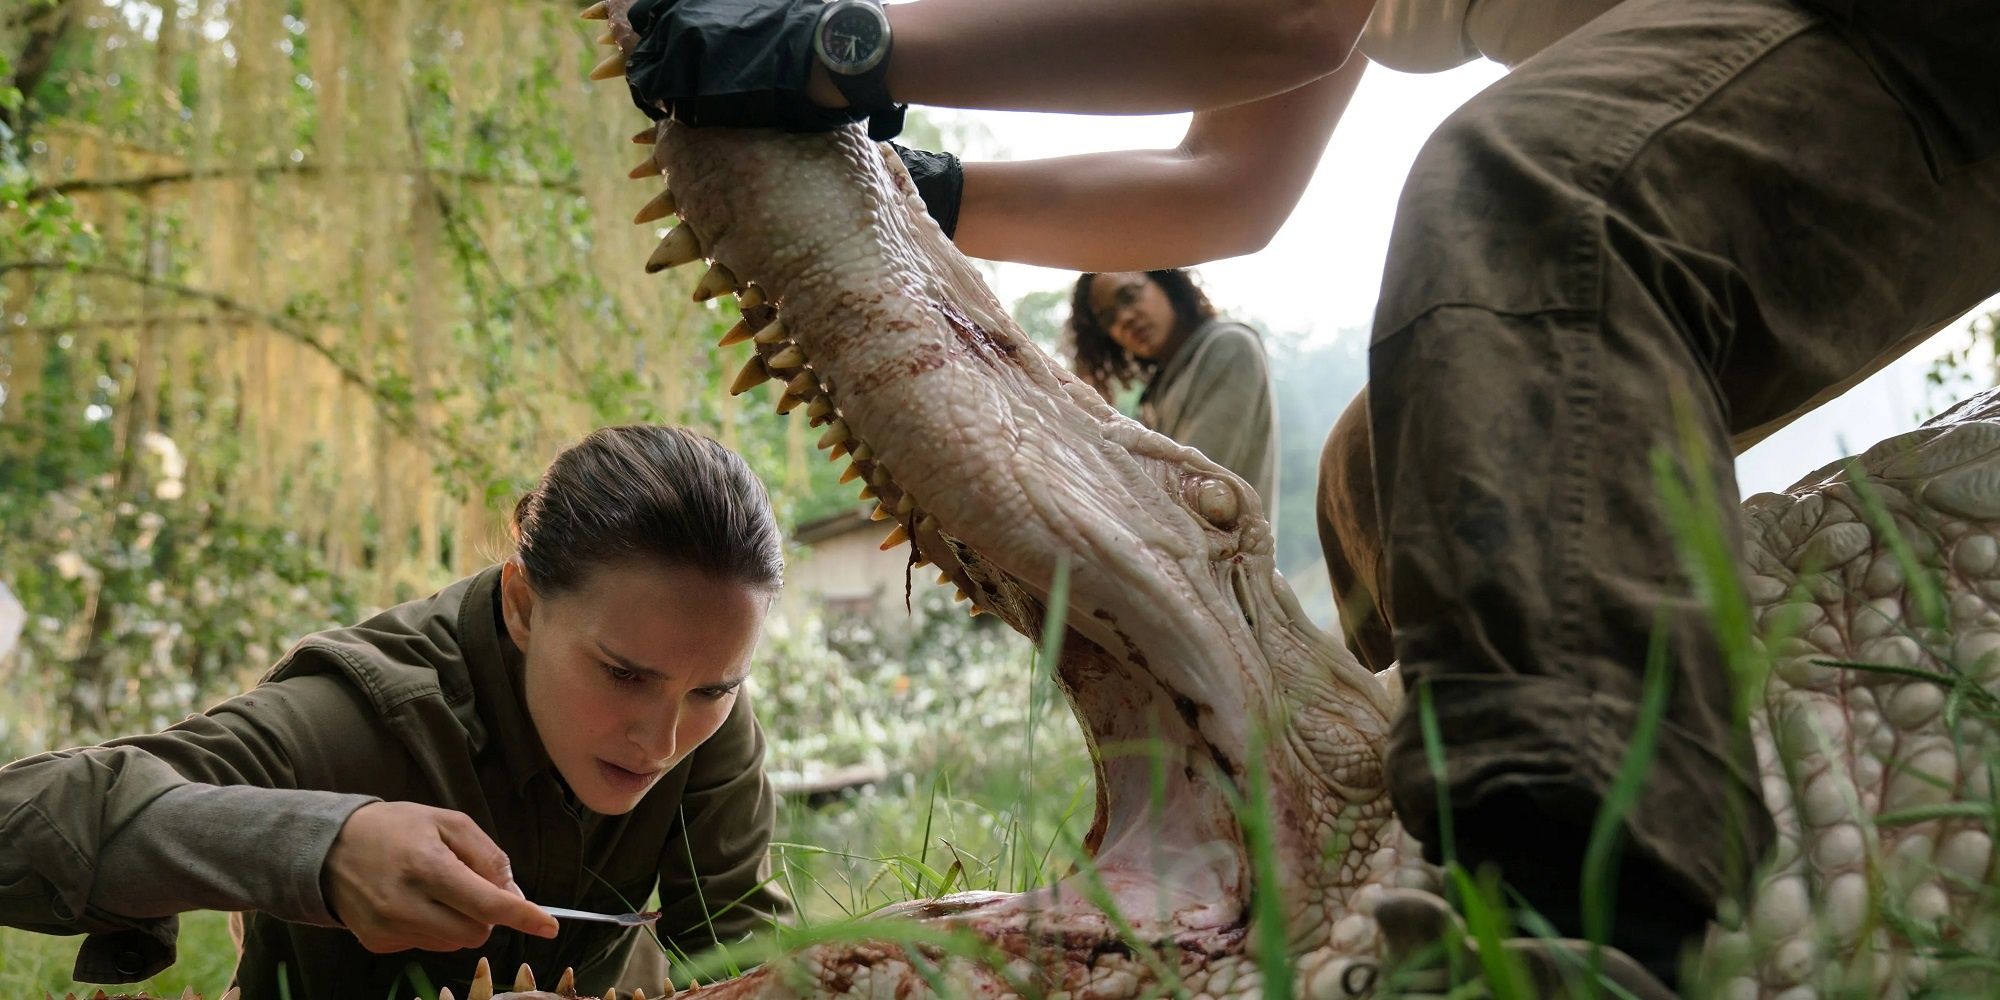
(1124, 298)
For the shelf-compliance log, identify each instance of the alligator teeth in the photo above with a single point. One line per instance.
(606, 39)
(612, 67)
(736, 335)
(646, 168)
(958, 595)
(599, 11)
(611, 994)
(646, 136)
(788, 402)
(753, 375)
(715, 281)
(566, 986)
(773, 334)
(804, 386)
(482, 982)
(524, 980)
(836, 433)
(880, 513)
(677, 248)
(752, 297)
(867, 492)
(850, 474)
(863, 453)
(905, 506)
(974, 611)
(660, 207)
(444, 993)
(819, 408)
(790, 357)
(897, 536)
(638, 994)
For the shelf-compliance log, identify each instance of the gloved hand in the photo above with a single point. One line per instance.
(740, 63)
(940, 183)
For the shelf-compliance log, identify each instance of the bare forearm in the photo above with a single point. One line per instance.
(1115, 56)
(1222, 192)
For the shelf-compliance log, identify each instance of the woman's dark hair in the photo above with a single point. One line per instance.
(1099, 359)
(627, 494)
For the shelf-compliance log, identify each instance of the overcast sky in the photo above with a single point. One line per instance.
(1321, 273)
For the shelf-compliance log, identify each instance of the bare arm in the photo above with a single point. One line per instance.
(1114, 56)
(1223, 191)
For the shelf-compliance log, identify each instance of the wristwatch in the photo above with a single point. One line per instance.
(851, 40)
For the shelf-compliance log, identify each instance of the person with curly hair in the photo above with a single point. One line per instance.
(1207, 383)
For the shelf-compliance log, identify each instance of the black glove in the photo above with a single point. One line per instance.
(940, 183)
(740, 63)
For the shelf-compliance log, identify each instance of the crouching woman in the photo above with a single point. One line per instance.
(566, 728)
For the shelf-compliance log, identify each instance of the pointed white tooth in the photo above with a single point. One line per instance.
(804, 386)
(599, 11)
(566, 986)
(790, 357)
(646, 168)
(638, 994)
(659, 208)
(444, 993)
(850, 474)
(613, 66)
(897, 536)
(868, 493)
(524, 980)
(836, 433)
(736, 335)
(715, 281)
(880, 513)
(606, 38)
(676, 248)
(788, 402)
(753, 375)
(646, 136)
(773, 334)
(752, 297)
(820, 407)
(482, 982)
(863, 453)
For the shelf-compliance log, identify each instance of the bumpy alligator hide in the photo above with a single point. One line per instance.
(1875, 585)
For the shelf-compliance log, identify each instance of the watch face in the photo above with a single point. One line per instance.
(852, 38)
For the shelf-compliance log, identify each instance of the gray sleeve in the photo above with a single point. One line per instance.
(1227, 411)
(188, 850)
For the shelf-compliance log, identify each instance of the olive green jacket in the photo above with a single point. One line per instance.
(237, 808)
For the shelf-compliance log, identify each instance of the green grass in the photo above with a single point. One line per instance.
(33, 963)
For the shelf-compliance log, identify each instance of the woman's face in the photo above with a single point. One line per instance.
(629, 672)
(1130, 306)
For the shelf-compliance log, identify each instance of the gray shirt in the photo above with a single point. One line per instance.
(1214, 395)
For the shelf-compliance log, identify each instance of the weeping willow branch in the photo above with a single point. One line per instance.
(142, 183)
(393, 408)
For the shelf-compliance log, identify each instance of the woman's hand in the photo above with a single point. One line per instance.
(402, 875)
